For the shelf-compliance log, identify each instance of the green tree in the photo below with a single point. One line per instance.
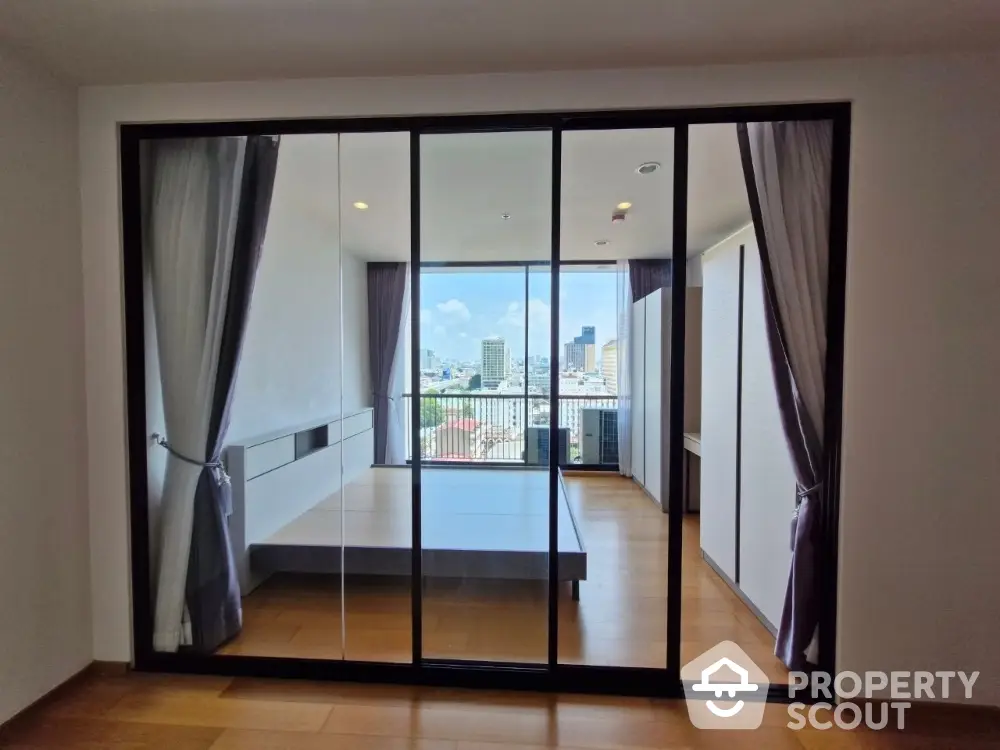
(475, 382)
(431, 412)
(468, 411)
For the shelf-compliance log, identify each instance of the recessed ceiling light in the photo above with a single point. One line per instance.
(505, 216)
(361, 205)
(602, 243)
(648, 167)
(624, 206)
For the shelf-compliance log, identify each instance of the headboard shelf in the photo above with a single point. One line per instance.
(280, 474)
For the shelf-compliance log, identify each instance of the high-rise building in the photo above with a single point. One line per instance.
(427, 360)
(575, 356)
(495, 362)
(609, 365)
(581, 352)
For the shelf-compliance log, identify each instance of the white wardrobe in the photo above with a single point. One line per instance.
(650, 384)
(650, 355)
(748, 495)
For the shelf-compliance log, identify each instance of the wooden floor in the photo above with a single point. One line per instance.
(620, 620)
(161, 712)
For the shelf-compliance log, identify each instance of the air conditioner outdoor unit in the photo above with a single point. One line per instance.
(599, 436)
(537, 448)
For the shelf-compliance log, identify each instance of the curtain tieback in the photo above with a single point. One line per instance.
(800, 494)
(217, 467)
(804, 492)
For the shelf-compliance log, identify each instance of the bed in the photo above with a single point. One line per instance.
(475, 523)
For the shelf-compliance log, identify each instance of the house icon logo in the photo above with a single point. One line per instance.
(725, 689)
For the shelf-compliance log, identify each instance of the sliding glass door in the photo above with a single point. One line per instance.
(480, 412)
(438, 410)
(616, 217)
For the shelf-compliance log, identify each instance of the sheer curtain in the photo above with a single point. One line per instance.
(624, 299)
(190, 227)
(395, 435)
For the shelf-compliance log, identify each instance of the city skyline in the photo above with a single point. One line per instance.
(460, 309)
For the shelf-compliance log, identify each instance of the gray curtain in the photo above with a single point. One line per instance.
(646, 275)
(787, 168)
(386, 292)
(212, 591)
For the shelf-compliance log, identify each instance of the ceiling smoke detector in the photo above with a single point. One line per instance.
(602, 243)
(618, 217)
(648, 167)
(505, 216)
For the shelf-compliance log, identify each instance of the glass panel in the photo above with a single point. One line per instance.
(718, 573)
(281, 446)
(376, 501)
(613, 211)
(472, 352)
(589, 356)
(485, 201)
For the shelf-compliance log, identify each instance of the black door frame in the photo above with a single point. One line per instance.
(552, 676)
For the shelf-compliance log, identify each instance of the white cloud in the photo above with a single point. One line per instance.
(514, 315)
(439, 331)
(425, 315)
(454, 309)
(463, 335)
(538, 314)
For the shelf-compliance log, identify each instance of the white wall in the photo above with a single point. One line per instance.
(290, 370)
(767, 480)
(692, 359)
(44, 556)
(920, 437)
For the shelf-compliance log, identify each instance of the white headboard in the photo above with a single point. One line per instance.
(278, 476)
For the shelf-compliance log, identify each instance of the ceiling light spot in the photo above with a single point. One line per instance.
(361, 205)
(505, 216)
(648, 167)
(624, 206)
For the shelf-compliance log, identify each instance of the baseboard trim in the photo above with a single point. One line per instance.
(743, 597)
(109, 668)
(94, 669)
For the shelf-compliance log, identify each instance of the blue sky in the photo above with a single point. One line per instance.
(459, 308)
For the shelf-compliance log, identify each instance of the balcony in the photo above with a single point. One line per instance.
(491, 428)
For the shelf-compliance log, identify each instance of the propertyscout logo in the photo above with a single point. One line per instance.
(726, 690)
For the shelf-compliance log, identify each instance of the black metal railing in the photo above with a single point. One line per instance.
(508, 428)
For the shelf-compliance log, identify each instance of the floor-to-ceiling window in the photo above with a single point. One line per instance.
(484, 358)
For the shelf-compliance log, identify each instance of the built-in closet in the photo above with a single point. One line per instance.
(747, 482)
(650, 361)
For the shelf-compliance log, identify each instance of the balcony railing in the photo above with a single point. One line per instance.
(496, 428)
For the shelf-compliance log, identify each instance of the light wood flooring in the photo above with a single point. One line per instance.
(620, 620)
(164, 712)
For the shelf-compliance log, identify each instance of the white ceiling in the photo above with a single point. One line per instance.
(469, 181)
(134, 41)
